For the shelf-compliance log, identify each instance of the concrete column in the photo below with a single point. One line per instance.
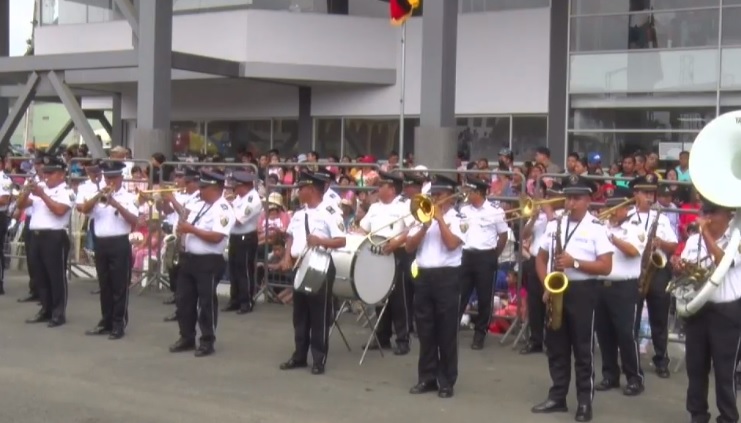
(338, 7)
(117, 123)
(4, 50)
(558, 81)
(154, 91)
(305, 122)
(435, 141)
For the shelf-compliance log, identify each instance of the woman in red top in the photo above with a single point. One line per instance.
(685, 219)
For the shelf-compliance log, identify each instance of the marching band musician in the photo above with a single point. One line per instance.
(38, 169)
(485, 235)
(438, 245)
(658, 300)
(330, 197)
(386, 218)
(617, 297)
(206, 234)
(114, 218)
(586, 254)
(243, 243)
(6, 188)
(534, 229)
(413, 184)
(316, 225)
(172, 205)
(713, 334)
(51, 205)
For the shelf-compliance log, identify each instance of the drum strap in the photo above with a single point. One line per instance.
(306, 224)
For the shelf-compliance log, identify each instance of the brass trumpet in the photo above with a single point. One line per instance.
(104, 194)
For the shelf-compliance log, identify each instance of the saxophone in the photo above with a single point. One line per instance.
(172, 244)
(556, 282)
(652, 258)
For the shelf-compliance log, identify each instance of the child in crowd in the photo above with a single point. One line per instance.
(508, 304)
(277, 246)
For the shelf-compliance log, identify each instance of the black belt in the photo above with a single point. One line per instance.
(248, 235)
(47, 231)
(112, 237)
(479, 252)
(196, 256)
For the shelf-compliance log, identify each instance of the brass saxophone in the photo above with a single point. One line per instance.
(172, 244)
(556, 282)
(652, 258)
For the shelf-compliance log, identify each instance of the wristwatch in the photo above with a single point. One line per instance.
(576, 264)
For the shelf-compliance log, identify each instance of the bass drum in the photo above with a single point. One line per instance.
(311, 273)
(363, 273)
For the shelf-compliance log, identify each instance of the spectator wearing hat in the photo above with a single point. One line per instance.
(586, 255)
(438, 245)
(594, 163)
(365, 176)
(205, 235)
(713, 334)
(389, 218)
(35, 178)
(484, 236)
(316, 225)
(115, 212)
(51, 205)
(274, 221)
(657, 299)
(243, 242)
(617, 296)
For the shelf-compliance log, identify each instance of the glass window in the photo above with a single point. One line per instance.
(731, 2)
(473, 6)
(187, 138)
(528, 133)
(377, 137)
(731, 28)
(731, 69)
(285, 136)
(482, 137)
(685, 118)
(228, 137)
(588, 7)
(645, 30)
(644, 71)
(614, 145)
(328, 137)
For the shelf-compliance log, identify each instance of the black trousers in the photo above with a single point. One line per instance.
(535, 304)
(113, 265)
(713, 336)
(196, 295)
(478, 269)
(577, 335)
(27, 235)
(47, 255)
(436, 312)
(242, 252)
(172, 275)
(313, 315)
(615, 322)
(658, 302)
(397, 312)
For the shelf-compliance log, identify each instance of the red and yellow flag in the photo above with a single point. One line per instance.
(401, 10)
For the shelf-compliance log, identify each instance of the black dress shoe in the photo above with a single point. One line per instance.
(401, 348)
(550, 406)
(531, 349)
(583, 413)
(423, 388)
(317, 369)
(663, 372)
(633, 389)
(230, 307)
(244, 309)
(205, 349)
(116, 334)
(171, 318)
(28, 298)
(170, 300)
(182, 345)
(477, 344)
(55, 322)
(98, 330)
(293, 364)
(700, 418)
(445, 392)
(38, 318)
(606, 385)
(2, 289)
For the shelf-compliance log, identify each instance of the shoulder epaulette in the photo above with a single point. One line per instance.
(224, 207)
(330, 209)
(597, 221)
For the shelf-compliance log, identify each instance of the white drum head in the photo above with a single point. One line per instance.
(373, 274)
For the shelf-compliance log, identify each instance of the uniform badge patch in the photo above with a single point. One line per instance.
(71, 196)
(330, 209)
(341, 225)
(224, 207)
(642, 237)
(464, 227)
(249, 198)
(247, 210)
(224, 221)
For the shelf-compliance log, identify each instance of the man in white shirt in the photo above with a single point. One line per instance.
(6, 187)
(617, 297)
(36, 178)
(438, 245)
(714, 332)
(585, 255)
(485, 234)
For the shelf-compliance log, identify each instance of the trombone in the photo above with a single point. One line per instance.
(528, 207)
(606, 214)
(160, 190)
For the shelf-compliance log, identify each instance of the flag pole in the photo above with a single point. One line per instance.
(402, 89)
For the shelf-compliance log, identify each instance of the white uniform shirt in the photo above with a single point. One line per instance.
(482, 226)
(323, 221)
(586, 241)
(247, 211)
(42, 184)
(391, 217)
(730, 289)
(664, 231)
(88, 190)
(632, 232)
(217, 217)
(43, 218)
(185, 200)
(332, 198)
(108, 221)
(331, 203)
(432, 252)
(539, 227)
(6, 188)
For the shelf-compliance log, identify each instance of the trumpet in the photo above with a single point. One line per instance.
(528, 207)
(104, 194)
(606, 214)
